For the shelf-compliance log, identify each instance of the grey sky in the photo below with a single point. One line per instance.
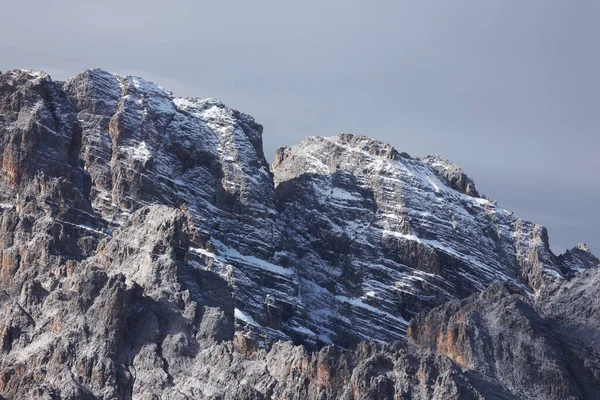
(507, 89)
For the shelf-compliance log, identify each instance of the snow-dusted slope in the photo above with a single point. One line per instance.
(366, 238)
(141, 145)
(147, 251)
(380, 236)
(343, 240)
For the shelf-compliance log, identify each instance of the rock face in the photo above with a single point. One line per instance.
(501, 334)
(148, 251)
(379, 236)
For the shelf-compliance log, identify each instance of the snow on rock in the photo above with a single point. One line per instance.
(342, 237)
(362, 215)
(242, 316)
(148, 251)
(140, 152)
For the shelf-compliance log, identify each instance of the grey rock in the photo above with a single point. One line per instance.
(577, 259)
(378, 238)
(500, 334)
(148, 252)
(451, 174)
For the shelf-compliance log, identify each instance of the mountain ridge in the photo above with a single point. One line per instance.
(158, 220)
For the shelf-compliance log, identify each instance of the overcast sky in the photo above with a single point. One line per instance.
(507, 89)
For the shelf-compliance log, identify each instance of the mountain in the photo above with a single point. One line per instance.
(148, 250)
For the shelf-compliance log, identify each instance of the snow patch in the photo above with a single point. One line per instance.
(357, 302)
(304, 330)
(139, 152)
(228, 254)
(242, 316)
(343, 194)
(231, 253)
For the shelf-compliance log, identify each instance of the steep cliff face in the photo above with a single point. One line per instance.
(148, 251)
(501, 334)
(379, 236)
(83, 300)
(141, 145)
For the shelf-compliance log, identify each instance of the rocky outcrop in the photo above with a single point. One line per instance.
(575, 308)
(148, 251)
(501, 334)
(578, 259)
(378, 236)
(451, 174)
(89, 307)
(141, 145)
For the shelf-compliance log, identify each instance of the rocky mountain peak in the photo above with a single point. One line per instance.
(149, 251)
(396, 220)
(365, 143)
(583, 247)
(577, 259)
(451, 174)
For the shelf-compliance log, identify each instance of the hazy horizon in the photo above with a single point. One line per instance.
(508, 91)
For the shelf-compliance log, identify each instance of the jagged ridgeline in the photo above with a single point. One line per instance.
(148, 250)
